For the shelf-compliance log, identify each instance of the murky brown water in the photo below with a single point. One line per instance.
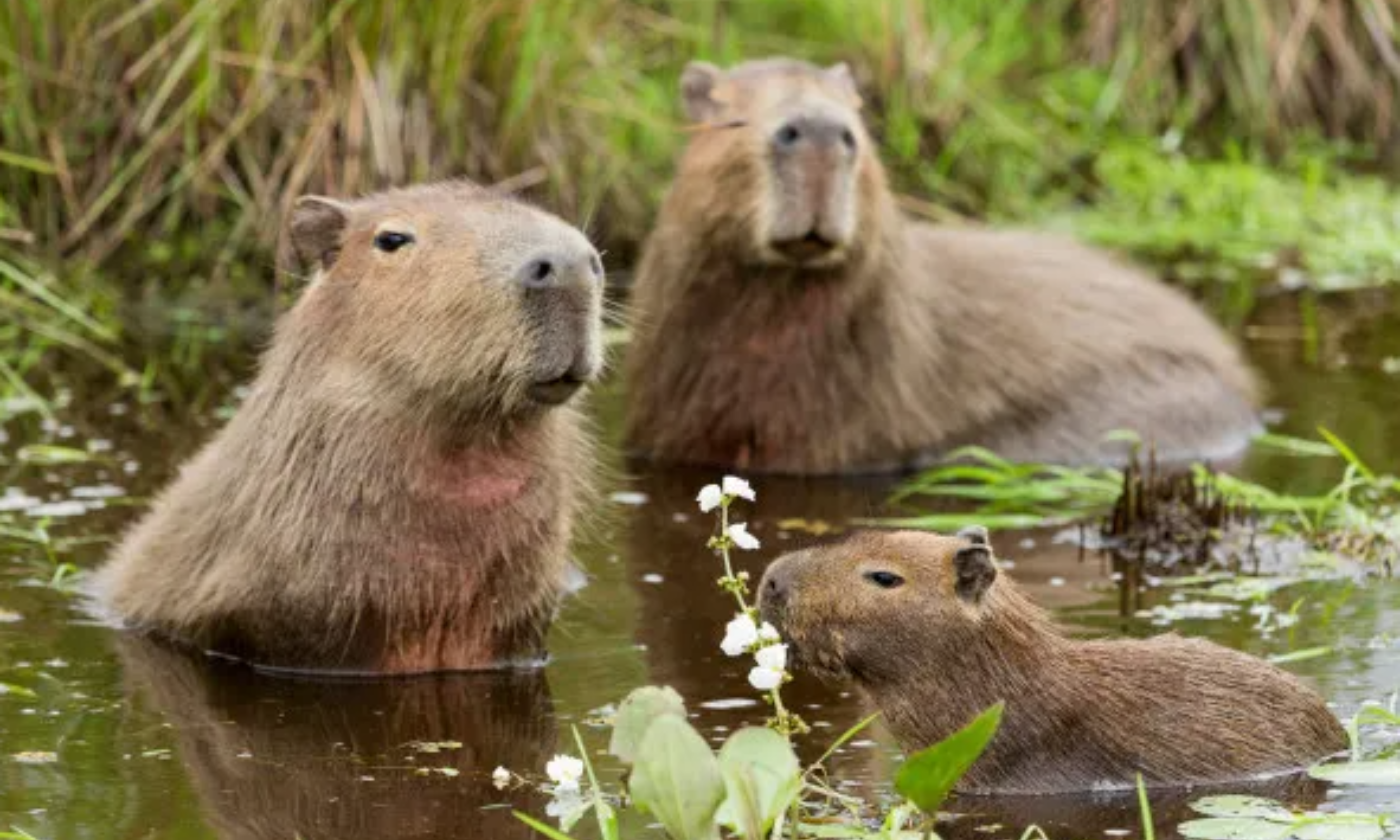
(124, 739)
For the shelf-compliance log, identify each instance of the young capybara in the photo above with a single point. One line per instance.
(396, 493)
(789, 318)
(932, 635)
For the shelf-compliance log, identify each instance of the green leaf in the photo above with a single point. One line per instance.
(928, 776)
(1383, 772)
(45, 454)
(1342, 826)
(763, 777)
(636, 715)
(16, 690)
(677, 779)
(1242, 806)
(1234, 828)
(1300, 655)
(547, 830)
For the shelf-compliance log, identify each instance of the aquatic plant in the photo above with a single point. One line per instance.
(754, 787)
(1143, 507)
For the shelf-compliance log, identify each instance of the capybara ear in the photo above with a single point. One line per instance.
(840, 76)
(698, 83)
(975, 534)
(314, 231)
(975, 571)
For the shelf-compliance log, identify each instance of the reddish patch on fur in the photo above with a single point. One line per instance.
(810, 315)
(477, 479)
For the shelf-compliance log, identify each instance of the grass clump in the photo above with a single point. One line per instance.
(1147, 511)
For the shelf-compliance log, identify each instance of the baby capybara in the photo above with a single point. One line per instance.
(932, 634)
(789, 318)
(396, 493)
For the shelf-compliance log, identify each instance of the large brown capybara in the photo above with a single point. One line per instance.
(396, 493)
(931, 634)
(790, 319)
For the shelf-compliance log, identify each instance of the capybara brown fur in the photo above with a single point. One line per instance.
(932, 634)
(789, 318)
(396, 493)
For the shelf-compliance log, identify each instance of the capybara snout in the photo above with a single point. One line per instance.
(563, 299)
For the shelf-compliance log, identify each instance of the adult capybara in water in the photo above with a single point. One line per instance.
(932, 635)
(396, 493)
(790, 319)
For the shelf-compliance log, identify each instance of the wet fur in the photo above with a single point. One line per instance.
(1079, 714)
(922, 340)
(387, 499)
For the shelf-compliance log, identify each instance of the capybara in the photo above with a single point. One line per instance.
(932, 634)
(396, 493)
(789, 318)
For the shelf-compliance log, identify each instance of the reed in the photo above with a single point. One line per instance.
(133, 129)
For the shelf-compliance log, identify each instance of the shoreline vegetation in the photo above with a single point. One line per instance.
(1230, 138)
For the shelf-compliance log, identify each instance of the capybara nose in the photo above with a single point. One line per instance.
(814, 132)
(552, 269)
(804, 248)
(776, 584)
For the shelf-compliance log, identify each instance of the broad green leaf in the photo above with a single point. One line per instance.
(1234, 828)
(1242, 806)
(637, 713)
(762, 777)
(547, 830)
(1344, 826)
(1384, 772)
(928, 776)
(677, 779)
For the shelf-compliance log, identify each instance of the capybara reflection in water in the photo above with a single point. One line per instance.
(789, 318)
(932, 634)
(396, 493)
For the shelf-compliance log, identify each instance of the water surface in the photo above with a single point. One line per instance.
(126, 739)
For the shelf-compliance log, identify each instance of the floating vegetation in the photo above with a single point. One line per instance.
(1255, 818)
(1156, 515)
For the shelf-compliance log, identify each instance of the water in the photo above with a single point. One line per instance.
(125, 739)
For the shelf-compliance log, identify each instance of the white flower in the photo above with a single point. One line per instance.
(773, 657)
(739, 533)
(564, 771)
(765, 679)
(738, 488)
(500, 777)
(739, 635)
(769, 633)
(709, 498)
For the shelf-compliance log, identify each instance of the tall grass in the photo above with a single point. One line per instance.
(132, 128)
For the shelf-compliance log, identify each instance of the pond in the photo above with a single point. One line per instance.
(103, 735)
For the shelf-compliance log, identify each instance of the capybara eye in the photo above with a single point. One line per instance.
(885, 580)
(787, 135)
(848, 139)
(390, 241)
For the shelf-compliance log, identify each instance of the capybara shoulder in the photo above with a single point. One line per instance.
(932, 633)
(790, 318)
(397, 490)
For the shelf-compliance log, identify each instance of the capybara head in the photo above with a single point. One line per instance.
(452, 298)
(872, 606)
(782, 157)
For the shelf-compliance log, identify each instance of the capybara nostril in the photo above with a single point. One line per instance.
(787, 136)
(539, 273)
